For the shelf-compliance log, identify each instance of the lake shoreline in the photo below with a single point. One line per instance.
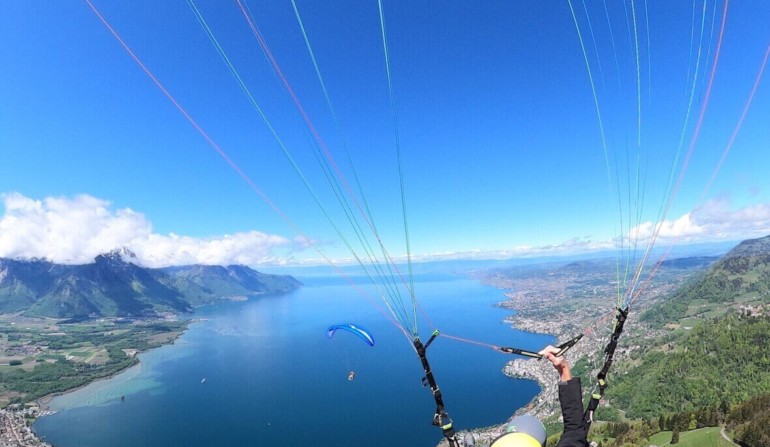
(43, 403)
(260, 326)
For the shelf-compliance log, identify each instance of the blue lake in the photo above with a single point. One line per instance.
(274, 379)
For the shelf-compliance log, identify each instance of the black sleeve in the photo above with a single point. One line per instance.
(571, 399)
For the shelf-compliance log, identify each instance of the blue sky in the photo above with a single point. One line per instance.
(501, 146)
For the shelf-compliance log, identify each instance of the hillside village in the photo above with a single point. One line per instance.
(580, 297)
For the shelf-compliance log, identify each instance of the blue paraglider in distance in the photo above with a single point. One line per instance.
(358, 331)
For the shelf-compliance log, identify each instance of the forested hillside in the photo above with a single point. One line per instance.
(751, 421)
(703, 361)
(720, 360)
(741, 277)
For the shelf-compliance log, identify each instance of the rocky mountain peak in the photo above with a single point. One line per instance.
(118, 256)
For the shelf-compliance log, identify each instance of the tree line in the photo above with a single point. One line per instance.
(724, 359)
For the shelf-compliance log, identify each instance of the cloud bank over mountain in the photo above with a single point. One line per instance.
(74, 230)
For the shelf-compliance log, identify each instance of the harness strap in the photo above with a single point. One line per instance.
(440, 418)
(609, 353)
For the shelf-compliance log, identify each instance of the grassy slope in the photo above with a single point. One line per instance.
(703, 437)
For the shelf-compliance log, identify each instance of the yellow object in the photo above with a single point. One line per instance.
(516, 440)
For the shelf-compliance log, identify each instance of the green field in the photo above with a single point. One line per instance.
(716, 312)
(749, 297)
(60, 357)
(703, 437)
(689, 322)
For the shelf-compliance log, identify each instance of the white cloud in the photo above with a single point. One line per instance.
(714, 221)
(74, 230)
(248, 248)
(711, 222)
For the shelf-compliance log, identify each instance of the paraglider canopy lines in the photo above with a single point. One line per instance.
(412, 321)
(638, 79)
(341, 134)
(692, 89)
(600, 121)
(716, 169)
(663, 209)
(398, 156)
(738, 126)
(685, 163)
(296, 168)
(237, 169)
(331, 108)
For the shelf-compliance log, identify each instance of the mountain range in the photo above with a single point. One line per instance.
(739, 278)
(115, 285)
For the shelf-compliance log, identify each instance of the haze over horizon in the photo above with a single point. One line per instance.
(503, 153)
